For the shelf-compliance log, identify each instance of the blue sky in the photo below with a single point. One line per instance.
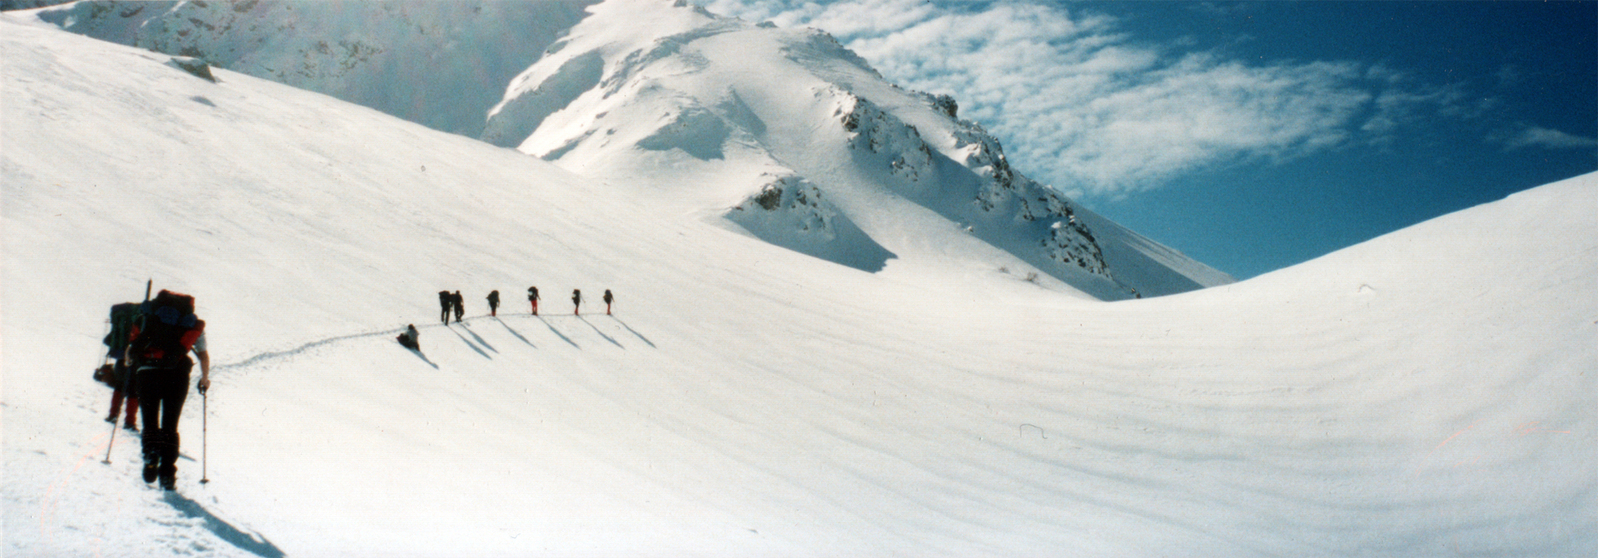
(1251, 135)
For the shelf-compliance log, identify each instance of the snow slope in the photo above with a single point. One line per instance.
(1426, 393)
(705, 113)
(440, 64)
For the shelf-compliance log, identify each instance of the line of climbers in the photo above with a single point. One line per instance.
(148, 347)
(454, 303)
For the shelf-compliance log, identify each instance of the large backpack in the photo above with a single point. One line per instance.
(122, 317)
(165, 332)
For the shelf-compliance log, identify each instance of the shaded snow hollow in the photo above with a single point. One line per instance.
(1428, 393)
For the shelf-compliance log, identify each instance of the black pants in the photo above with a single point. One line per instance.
(162, 392)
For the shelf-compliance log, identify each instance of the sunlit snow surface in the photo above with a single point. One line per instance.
(1428, 393)
(685, 110)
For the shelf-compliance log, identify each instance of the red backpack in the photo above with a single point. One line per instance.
(165, 332)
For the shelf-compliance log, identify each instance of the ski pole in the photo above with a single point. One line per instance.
(110, 444)
(127, 388)
(204, 450)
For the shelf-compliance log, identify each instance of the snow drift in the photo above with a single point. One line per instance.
(1426, 393)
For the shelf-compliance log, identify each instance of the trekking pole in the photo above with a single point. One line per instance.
(204, 451)
(127, 387)
(113, 441)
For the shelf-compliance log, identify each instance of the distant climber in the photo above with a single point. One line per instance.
(445, 301)
(577, 301)
(532, 297)
(608, 299)
(460, 305)
(117, 374)
(493, 303)
(411, 338)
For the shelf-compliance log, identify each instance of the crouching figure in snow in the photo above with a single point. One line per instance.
(411, 339)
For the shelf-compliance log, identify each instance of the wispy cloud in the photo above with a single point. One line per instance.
(1533, 136)
(1082, 105)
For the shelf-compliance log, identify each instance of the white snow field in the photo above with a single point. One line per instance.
(1428, 393)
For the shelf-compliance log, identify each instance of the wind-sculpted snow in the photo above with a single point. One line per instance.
(1427, 393)
(693, 129)
(518, 115)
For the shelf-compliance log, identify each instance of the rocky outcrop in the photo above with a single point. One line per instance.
(1002, 206)
(791, 212)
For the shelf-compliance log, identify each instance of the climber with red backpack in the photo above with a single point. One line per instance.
(162, 337)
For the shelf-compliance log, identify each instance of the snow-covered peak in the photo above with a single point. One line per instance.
(705, 109)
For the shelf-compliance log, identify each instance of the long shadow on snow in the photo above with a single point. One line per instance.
(512, 331)
(469, 343)
(479, 338)
(601, 333)
(634, 332)
(424, 358)
(562, 336)
(253, 543)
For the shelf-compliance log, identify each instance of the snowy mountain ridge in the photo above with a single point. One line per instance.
(1001, 191)
(623, 102)
(452, 59)
(663, 94)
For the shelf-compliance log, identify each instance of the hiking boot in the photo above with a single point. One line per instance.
(150, 470)
(169, 471)
(130, 427)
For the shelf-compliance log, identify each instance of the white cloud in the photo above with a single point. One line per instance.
(1534, 136)
(1402, 104)
(1081, 105)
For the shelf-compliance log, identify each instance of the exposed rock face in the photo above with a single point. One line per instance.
(1015, 212)
(193, 66)
(793, 213)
